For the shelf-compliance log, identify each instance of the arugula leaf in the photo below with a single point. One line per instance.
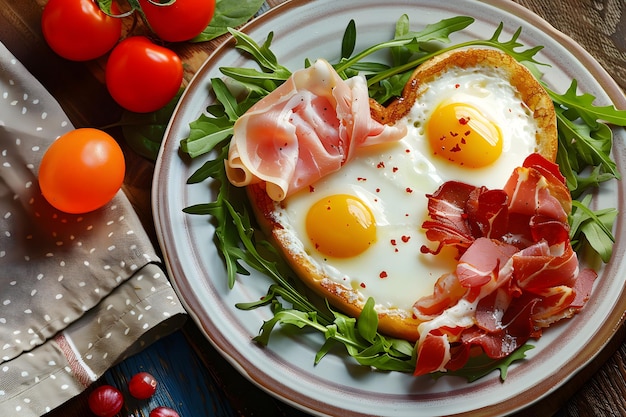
(433, 32)
(400, 55)
(262, 54)
(232, 109)
(206, 133)
(584, 140)
(592, 227)
(368, 321)
(379, 352)
(526, 56)
(349, 40)
(228, 14)
(583, 105)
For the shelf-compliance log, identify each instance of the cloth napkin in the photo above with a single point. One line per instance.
(78, 293)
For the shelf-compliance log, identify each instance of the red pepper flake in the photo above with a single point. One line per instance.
(395, 169)
(378, 190)
(457, 85)
(311, 189)
(381, 164)
(362, 179)
(464, 120)
(407, 150)
(409, 190)
(393, 242)
(363, 285)
(405, 238)
(383, 275)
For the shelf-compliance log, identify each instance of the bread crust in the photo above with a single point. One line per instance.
(401, 323)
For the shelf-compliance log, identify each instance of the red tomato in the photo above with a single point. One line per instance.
(105, 401)
(141, 76)
(179, 21)
(78, 30)
(163, 412)
(142, 385)
(81, 171)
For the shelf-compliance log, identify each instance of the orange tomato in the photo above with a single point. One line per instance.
(82, 171)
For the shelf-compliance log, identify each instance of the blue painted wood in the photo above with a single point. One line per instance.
(184, 383)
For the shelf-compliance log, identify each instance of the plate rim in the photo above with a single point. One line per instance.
(292, 397)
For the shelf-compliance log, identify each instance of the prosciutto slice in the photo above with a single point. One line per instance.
(307, 128)
(517, 272)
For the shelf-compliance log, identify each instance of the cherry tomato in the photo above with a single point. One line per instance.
(81, 171)
(163, 412)
(78, 30)
(142, 385)
(180, 21)
(141, 76)
(105, 401)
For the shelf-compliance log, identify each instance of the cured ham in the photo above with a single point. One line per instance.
(305, 129)
(517, 272)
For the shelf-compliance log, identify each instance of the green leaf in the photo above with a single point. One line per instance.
(584, 106)
(326, 347)
(349, 40)
(261, 83)
(400, 55)
(210, 169)
(593, 227)
(584, 140)
(206, 133)
(227, 100)
(368, 321)
(105, 6)
(228, 14)
(143, 132)
(510, 46)
(438, 31)
(262, 54)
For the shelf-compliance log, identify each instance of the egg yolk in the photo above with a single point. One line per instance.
(461, 134)
(341, 226)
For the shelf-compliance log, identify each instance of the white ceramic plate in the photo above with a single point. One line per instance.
(336, 386)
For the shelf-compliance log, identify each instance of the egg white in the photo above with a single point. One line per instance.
(393, 180)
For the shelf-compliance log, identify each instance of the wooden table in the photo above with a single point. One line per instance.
(203, 383)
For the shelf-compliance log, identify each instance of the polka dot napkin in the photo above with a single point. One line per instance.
(78, 293)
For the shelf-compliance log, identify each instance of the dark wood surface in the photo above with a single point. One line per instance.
(204, 383)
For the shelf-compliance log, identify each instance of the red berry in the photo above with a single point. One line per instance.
(142, 385)
(163, 412)
(105, 401)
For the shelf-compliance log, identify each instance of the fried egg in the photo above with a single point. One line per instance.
(357, 232)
